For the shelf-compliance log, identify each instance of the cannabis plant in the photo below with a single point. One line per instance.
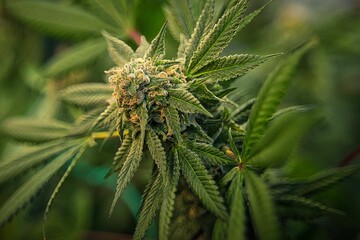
(177, 113)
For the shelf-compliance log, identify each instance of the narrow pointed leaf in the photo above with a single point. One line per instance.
(237, 219)
(229, 176)
(262, 209)
(157, 152)
(59, 185)
(201, 183)
(32, 157)
(56, 19)
(119, 51)
(86, 94)
(186, 102)
(218, 38)
(173, 121)
(35, 130)
(150, 206)
(211, 155)
(204, 19)
(219, 231)
(129, 168)
(167, 206)
(269, 98)
(32, 186)
(226, 68)
(157, 47)
(76, 57)
(121, 154)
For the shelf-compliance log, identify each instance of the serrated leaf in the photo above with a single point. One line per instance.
(119, 51)
(60, 183)
(110, 9)
(156, 49)
(106, 117)
(186, 102)
(86, 94)
(201, 183)
(269, 98)
(32, 157)
(325, 179)
(33, 185)
(229, 176)
(180, 18)
(150, 206)
(262, 209)
(167, 206)
(34, 130)
(56, 19)
(129, 168)
(237, 218)
(182, 47)
(84, 123)
(218, 38)
(121, 154)
(199, 31)
(233, 146)
(211, 155)
(142, 49)
(75, 57)
(157, 152)
(306, 202)
(173, 121)
(229, 67)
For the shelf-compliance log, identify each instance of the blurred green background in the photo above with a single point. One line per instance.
(36, 62)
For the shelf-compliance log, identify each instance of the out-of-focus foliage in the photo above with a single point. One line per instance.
(37, 61)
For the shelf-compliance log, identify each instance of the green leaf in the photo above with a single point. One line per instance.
(56, 19)
(205, 18)
(219, 231)
(262, 209)
(32, 186)
(180, 18)
(186, 102)
(86, 94)
(233, 146)
(218, 38)
(269, 98)
(201, 183)
(226, 68)
(35, 130)
(27, 159)
(119, 51)
(151, 204)
(306, 202)
(129, 168)
(229, 176)
(173, 121)
(121, 154)
(211, 155)
(325, 179)
(142, 49)
(60, 183)
(75, 57)
(237, 218)
(167, 206)
(157, 152)
(156, 49)
(109, 8)
(107, 117)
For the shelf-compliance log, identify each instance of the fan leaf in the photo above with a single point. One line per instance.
(186, 102)
(156, 49)
(262, 209)
(56, 19)
(35, 130)
(173, 121)
(32, 186)
(211, 155)
(218, 38)
(119, 51)
(201, 183)
(269, 98)
(86, 94)
(75, 57)
(157, 152)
